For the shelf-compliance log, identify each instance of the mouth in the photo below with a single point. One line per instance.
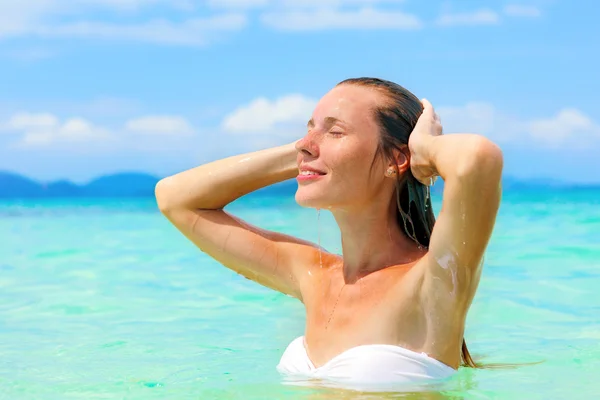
(311, 173)
(306, 174)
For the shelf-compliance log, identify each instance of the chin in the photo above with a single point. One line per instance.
(305, 197)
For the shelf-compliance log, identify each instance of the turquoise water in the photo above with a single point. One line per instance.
(104, 299)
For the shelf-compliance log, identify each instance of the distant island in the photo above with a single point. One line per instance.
(136, 184)
(120, 185)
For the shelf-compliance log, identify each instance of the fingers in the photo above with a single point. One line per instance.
(428, 109)
(426, 104)
(430, 115)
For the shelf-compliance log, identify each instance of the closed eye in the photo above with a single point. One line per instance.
(336, 134)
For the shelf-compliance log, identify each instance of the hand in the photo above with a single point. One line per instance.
(420, 142)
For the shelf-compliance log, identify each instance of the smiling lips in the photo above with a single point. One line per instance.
(307, 174)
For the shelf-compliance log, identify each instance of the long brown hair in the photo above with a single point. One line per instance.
(397, 118)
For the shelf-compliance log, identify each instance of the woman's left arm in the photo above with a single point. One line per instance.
(471, 167)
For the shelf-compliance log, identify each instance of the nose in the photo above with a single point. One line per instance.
(308, 146)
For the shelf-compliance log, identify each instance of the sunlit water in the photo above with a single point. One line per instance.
(104, 299)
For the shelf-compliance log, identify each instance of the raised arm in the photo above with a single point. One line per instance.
(471, 167)
(193, 201)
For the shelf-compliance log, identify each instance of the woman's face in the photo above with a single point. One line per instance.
(336, 157)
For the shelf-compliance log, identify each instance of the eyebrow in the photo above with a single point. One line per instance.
(329, 121)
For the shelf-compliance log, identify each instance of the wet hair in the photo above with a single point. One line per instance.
(397, 118)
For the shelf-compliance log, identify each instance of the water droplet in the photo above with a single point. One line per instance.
(319, 236)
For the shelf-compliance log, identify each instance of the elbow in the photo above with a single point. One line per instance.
(489, 157)
(483, 160)
(163, 196)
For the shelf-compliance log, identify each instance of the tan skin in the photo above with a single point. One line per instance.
(384, 289)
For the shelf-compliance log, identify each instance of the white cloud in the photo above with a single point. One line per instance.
(263, 115)
(515, 10)
(160, 125)
(567, 126)
(192, 32)
(15, 16)
(27, 121)
(473, 117)
(60, 19)
(45, 18)
(45, 129)
(198, 25)
(480, 17)
(327, 19)
(482, 118)
(32, 9)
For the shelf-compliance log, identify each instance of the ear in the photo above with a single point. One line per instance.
(400, 163)
(402, 159)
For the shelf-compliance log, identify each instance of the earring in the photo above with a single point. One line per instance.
(390, 171)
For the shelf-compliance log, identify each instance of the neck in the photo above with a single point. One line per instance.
(372, 240)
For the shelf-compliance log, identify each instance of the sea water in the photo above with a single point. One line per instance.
(104, 299)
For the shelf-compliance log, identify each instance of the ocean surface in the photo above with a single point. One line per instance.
(104, 299)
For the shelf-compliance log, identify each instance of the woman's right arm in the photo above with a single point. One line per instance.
(193, 201)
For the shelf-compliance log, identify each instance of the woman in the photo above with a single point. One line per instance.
(392, 309)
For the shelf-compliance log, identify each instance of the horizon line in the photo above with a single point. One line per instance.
(525, 180)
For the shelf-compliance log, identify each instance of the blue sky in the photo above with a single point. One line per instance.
(99, 86)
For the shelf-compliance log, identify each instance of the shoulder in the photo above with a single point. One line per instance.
(318, 271)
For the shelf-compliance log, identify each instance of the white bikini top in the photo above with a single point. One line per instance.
(373, 365)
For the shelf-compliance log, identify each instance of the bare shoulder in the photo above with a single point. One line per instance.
(319, 272)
